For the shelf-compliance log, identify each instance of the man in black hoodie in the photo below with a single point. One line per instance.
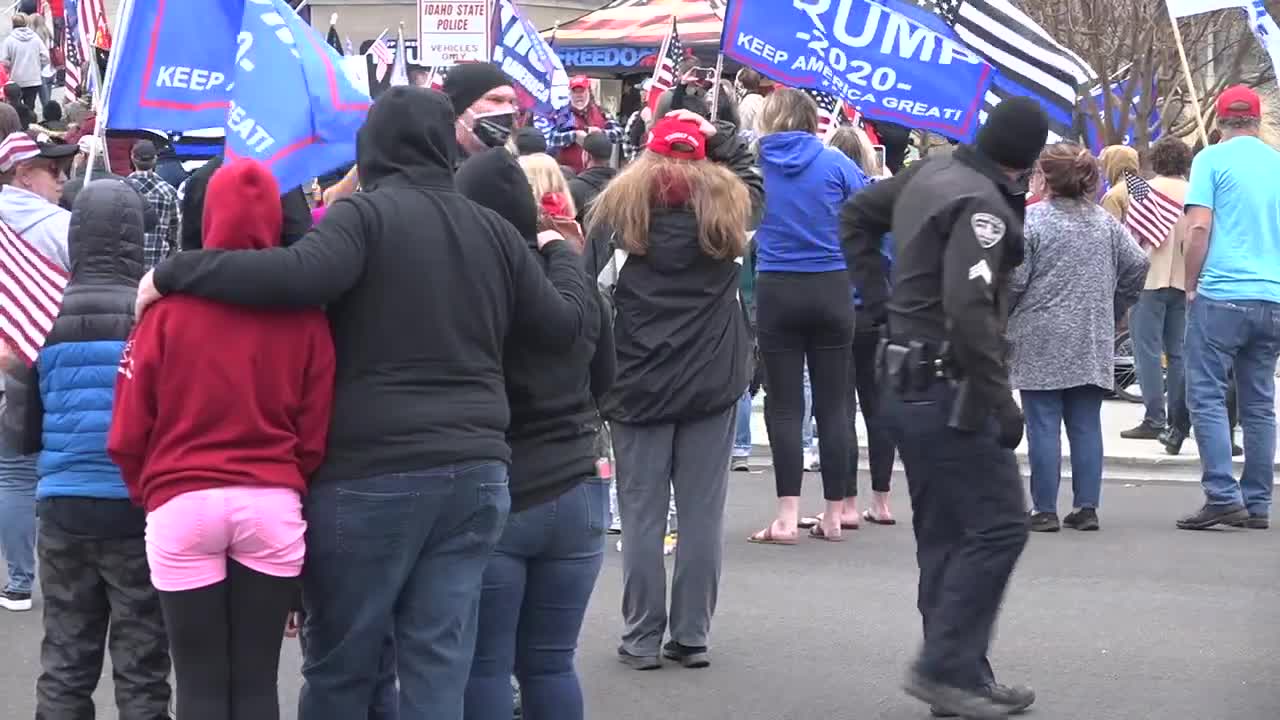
(423, 289)
(588, 184)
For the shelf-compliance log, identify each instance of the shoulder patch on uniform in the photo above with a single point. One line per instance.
(987, 228)
(980, 270)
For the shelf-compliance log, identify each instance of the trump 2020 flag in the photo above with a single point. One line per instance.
(173, 64)
(294, 109)
(884, 63)
(540, 78)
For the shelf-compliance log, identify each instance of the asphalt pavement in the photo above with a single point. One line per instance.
(1137, 622)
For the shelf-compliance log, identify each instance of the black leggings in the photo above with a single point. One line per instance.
(862, 383)
(806, 316)
(225, 641)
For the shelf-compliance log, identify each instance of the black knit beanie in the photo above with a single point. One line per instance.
(1015, 133)
(468, 82)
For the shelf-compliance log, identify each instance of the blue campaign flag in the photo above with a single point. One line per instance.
(540, 77)
(265, 75)
(172, 65)
(888, 65)
(291, 105)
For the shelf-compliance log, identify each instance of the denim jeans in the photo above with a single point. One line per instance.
(1157, 326)
(386, 701)
(402, 553)
(742, 434)
(1046, 411)
(536, 590)
(18, 519)
(1244, 335)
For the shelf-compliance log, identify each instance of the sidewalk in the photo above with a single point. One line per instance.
(1125, 460)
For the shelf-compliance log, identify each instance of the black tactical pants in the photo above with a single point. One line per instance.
(98, 595)
(970, 517)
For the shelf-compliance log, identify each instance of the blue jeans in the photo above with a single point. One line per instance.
(401, 554)
(536, 589)
(742, 434)
(385, 703)
(18, 520)
(1244, 335)
(1046, 411)
(1157, 326)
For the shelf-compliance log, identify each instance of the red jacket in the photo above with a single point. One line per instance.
(210, 395)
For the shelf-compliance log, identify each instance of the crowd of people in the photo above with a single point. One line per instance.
(432, 382)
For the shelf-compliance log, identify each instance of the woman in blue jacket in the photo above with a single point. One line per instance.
(804, 306)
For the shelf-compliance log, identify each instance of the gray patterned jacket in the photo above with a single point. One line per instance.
(1082, 271)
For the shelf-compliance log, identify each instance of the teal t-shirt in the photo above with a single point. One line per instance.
(1237, 180)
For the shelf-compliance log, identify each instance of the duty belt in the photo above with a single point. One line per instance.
(914, 366)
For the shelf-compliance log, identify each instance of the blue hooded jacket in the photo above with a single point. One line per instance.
(805, 184)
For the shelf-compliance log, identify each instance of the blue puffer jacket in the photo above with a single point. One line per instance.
(77, 367)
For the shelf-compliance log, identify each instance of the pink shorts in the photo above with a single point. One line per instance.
(190, 537)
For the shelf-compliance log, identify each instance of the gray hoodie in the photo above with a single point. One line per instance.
(41, 223)
(25, 55)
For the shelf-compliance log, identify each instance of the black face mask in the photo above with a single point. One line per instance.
(494, 129)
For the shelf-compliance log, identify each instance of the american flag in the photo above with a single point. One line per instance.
(829, 109)
(31, 288)
(664, 72)
(86, 26)
(1030, 62)
(380, 52)
(1152, 214)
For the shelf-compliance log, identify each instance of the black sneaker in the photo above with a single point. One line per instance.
(1255, 522)
(953, 701)
(740, 464)
(15, 601)
(1083, 519)
(639, 662)
(1017, 699)
(1208, 516)
(690, 657)
(1172, 440)
(1144, 431)
(1045, 522)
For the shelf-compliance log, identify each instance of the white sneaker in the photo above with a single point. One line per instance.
(812, 462)
(15, 601)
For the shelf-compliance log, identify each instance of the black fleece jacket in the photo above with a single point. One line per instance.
(424, 290)
(554, 420)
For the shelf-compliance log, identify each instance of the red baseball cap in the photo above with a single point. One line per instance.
(1239, 101)
(580, 82)
(678, 139)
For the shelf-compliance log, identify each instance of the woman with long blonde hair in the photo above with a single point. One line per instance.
(556, 208)
(679, 216)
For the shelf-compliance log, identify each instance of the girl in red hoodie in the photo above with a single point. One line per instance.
(221, 414)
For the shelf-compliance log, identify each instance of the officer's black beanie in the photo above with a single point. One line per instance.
(468, 82)
(1015, 133)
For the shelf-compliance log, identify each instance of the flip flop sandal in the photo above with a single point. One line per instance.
(765, 537)
(813, 521)
(817, 533)
(872, 518)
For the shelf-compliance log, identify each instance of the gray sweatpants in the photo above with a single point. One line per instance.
(693, 459)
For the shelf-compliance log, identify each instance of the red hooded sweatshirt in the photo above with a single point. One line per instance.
(210, 395)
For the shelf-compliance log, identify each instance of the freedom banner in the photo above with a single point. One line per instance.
(251, 66)
(885, 64)
(540, 77)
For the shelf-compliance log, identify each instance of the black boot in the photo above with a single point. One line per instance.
(1017, 698)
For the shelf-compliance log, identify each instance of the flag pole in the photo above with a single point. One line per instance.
(715, 88)
(1186, 71)
(104, 83)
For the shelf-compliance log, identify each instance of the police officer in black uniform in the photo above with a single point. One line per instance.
(957, 233)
